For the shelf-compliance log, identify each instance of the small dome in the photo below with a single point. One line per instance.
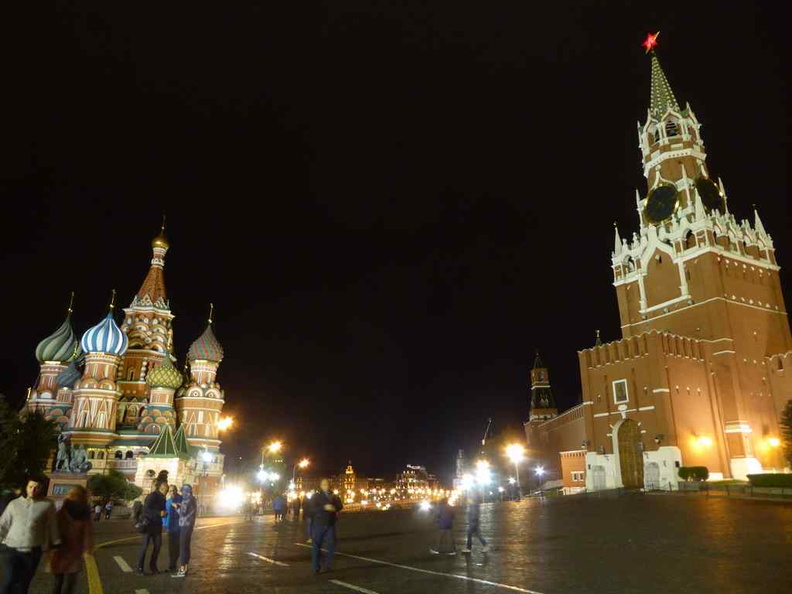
(165, 375)
(105, 337)
(160, 241)
(68, 377)
(206, 347)
(61, 345)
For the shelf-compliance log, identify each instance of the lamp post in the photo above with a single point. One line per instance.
(516, 453)
(302, 464)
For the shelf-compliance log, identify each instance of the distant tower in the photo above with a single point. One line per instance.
(200, 402)
(54, 353)
(350, 482)
(460, 464)
(543, 405)
(96, 393)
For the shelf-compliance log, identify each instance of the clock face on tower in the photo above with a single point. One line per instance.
(661, 203)
(710, 196)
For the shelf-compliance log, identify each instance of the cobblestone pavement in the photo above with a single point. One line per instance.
(592, 544)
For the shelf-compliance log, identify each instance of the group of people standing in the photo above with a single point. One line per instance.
(30, 526)
(176, 512)
(445, 522)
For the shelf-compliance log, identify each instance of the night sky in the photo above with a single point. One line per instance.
(391, 205)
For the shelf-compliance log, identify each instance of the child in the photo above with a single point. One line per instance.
(445, 522)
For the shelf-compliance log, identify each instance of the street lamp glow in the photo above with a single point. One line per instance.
(304, 463)
(425, 506)
(225, 423)
(539, 470)
(262, 475)
(515, 452)
(512, 480)
(483, 472)
(206, 456)
(275, 447)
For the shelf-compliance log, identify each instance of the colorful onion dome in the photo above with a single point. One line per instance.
(68, 377)
(60, 346)
(206, 347)
(165, 375)
(105, 337)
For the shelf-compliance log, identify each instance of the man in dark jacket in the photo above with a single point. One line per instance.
(325, 507)
(153, 512)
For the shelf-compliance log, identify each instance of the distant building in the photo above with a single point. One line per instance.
(415, 481)
(700, 375)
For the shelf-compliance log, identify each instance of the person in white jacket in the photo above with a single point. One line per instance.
(28, 527)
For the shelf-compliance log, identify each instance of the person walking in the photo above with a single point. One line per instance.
(326, 506)
(474, 529)
(445, 522)
(97, 512)
(278, 506)
(28, 526)
(188, 511)
(76, 531)
(171, 524)
(151, 527)
(108, 509)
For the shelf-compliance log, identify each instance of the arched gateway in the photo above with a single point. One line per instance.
(628, 437)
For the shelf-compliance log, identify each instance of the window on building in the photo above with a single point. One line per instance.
(119, 455)
(672, 129)
(129, 455)
(690, 240)
(131, 374)
(620, 393)
(578, 476)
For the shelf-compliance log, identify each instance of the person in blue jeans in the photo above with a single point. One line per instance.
(188, 510)
(474, 529)
(171, 524)
(325, 507)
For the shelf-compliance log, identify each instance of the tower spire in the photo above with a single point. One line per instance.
(152, 291)
(617, 242)
(758, 225)
(211, 312)
(662, 98)
(112, 301)
(70, 309)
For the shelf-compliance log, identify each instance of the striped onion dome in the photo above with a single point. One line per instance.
(165, 375)
(206, 347)
(60, 346)
(105, 337)
(68, 377)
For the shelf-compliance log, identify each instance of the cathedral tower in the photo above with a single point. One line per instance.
(200, 401)
(96, 393)
(54, 353)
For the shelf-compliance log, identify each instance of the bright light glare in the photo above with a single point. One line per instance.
(274, 476)
(483, 472)
(512, 480)
(501, 489)
(467, 481)
(225, 423)
(304, 463)
(275, 447)
(231, 497)
(539, 470)
(704, 440)
(774, 441)
(206, 456)
(425, 506)
(262, 475)
(515, 452)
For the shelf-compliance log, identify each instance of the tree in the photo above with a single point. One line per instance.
(26, 442)
(786, 430)
(113, 485)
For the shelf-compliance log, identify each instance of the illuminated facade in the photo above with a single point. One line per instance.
(699, 376)
(117, 390)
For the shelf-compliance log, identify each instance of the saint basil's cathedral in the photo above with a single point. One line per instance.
(702, 372)
(119, 399)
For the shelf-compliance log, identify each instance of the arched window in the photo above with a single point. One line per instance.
(129, 455)
(131, 374)
(672, 129)
(119, 455)
(690, 240)
(630, 264)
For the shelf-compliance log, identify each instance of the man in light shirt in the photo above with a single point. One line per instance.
(28, 527)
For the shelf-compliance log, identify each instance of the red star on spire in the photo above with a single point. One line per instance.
(651, 42)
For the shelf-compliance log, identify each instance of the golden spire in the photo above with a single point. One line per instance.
(112, 301)
(71, 303)
(160, 241)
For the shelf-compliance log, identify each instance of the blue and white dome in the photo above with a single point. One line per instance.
(105, 337)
